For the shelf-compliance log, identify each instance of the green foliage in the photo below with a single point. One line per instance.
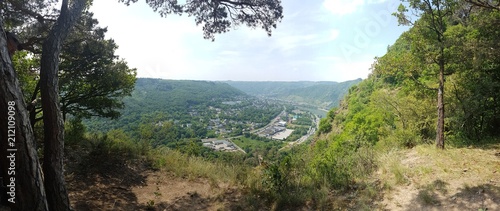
(298, 132)
(220, 17)
(325, 126)
(74, 131)
(26, 68)
(395, 106)
(303, 121)
(171, 113)
(93, 80)
(194, 149)
(276, 175)
(155, 100)
(255, 145)
(112, 149)
(340, 162)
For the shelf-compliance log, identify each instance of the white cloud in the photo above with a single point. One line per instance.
(288, 44)
(343, 7)
(334, 33)
(343, 70)
(154, 45)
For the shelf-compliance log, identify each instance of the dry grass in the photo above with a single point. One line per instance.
(430, 178)
(182, 165)
(391, 170)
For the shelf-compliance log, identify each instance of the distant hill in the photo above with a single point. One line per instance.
(171, 99)
(324, 94)
(165, 94)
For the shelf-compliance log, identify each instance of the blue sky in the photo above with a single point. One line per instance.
(317, 40)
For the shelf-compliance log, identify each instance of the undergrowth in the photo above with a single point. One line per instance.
(332, 173)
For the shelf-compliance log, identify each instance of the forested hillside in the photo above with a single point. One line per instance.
(398, 101)
(175, 110)
(324, 94)
(438, 85)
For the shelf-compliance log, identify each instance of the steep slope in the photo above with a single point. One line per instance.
(324, 94)
(391, 117)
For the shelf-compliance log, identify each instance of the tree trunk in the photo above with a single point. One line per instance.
(57, 195)
(440, 106)
(20, 157)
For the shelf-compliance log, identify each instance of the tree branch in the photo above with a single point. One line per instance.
(240, 3)
(484, 4)
(16, 5)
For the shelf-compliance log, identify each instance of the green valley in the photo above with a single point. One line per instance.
(188, 109)
(81, 130)
(175, 113)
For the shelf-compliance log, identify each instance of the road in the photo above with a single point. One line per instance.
(312, 131)
(239, 148)
(270, 123)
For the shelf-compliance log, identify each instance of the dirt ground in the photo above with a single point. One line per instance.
(166, 192)
(458, 179)
(135, 188)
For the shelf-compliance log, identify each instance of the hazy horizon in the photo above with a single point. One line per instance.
(244, 80)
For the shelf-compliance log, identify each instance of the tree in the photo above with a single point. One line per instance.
(476, 86)
(57, 195)
(215, 16)
(218, 16)
(93, 79)
(29, 185)
(490, 4)
(430, 45)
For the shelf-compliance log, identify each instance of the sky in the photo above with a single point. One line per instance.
(317, 40)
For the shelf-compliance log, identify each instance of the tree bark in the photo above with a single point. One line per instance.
(57, 195)
(29, 187)
(440, 106)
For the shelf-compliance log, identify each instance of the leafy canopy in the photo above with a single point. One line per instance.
(218, 16)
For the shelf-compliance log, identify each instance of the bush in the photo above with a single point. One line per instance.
(276, 175)
(341, 163)
(75, 132)
(112, 149)
(400, 139)
(325, 126)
